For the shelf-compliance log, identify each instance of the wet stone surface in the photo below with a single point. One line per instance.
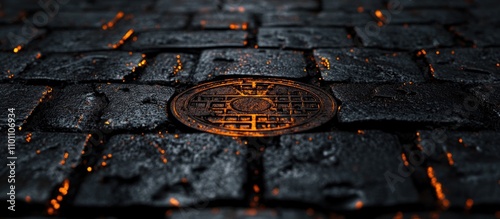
(73, 108)
(426, 16)
(465, 164)
(23, 99)
(82, 40)
(14, 35)
(366, 65)
(81, 19)
(12, 64)
(241, 213)
(182, 6)
(435, 214)
(258, 6)
(425, 103)
(44, 161)
(134, 107)
(337, 18)
(94, 66)
(170, 68)
(412, 38)
(487, 15)
(303, 38)
(335, 170)
(352, 5)
(141, 22)
(490, 93)
(219, 20)
(465, 65)
(189, 39)
(434, 4)
(250, 62)
(169, 170)
(480, 35)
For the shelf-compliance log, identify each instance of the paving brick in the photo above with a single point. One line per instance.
(83, 40)
(11, 65)
(169, 170)
(487, 15)
(423, 103)
(466, 65)
(425, 16)
(87, 19)
(338, 19)
(335, 170)
(303, 38)
(241, 213)
(434, 4)
(44, 161)
(141, 22)
(182, 6)
(435, 214)
(13, 36)
(413, 37)
(134, 107)
(269, 5)
(131, 6)
(366, 65)
(464, 164)
(480, 35)
(253, 62)
(189, 39)
(170, 68)
(489, 93)
(23, 99)
(222, 20)
(94, 66)
(352, 5)
(73, 108)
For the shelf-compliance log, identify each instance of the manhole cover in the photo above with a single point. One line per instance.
(253, 107)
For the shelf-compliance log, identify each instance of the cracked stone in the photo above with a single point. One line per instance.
(150, 21)
(303, 38)
(189, 39)
(241, 213)
(87, 19)
(23, 98)
(82, 40)
(414, 37)
(366, 65)
(182, 6)
(134, 107)
(269, 5)
(465, 163)
(13, 36)
(73, 108)
(427, 16)
(466, 65)
(339, 19)
(44, 161)
(166, 170)
(489, 93)
(352, 5)
(11, 65)
(250, 62)
(170, 68)
(335, 170)
(422, 103)
(95, 66)
(480, 35)
(234, 21)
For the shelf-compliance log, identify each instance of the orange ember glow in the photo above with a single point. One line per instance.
(276, 191)
(256, 188)
(449, 156)
(359, 204)
(122, 40)
(405, 161)
(251, 212)
(468, 204)
(174, 202)
(112, 23)
(438, 187)
(28, 137)
(325, 62)
(27, 199)
(17, 49)
(360, 9)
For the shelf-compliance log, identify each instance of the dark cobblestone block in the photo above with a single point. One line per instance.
(480, 35)
(240, 213)
(131, 107)
(12, 64)
(150, 21)
(189, 39)
(434, 4)
(23, 99)
(422, 103)
(170, 68)
(303, 38)
(185, 6)
(169, 170)
(16, 37)
(465, 164)
(490, 93)
(9, 16)
(83, 40)
(408, 38)
(234, 21)
(487, 15)
(44, 161)
(269, 5)
(95, 66)
(335, 170)
(352, 5)
(425, 16)
(338, 18)
(130, 6)
(254, 62)
(74, 108)
(466, 65)
(435, 214)
(87, 19)
(366, 65)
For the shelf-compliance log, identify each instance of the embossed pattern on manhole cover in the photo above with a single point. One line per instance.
(253, 107)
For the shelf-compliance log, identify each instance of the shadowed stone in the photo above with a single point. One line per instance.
(303, 38)
(480, 35)
(23, 99)
(170, 68)
(11, 65)
(269, 5)
(82, 40)
(222, 20)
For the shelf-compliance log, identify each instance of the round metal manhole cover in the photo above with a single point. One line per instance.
(253, 107)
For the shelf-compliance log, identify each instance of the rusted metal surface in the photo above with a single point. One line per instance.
(253, 107)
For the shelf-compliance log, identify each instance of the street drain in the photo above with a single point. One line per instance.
(253, 107)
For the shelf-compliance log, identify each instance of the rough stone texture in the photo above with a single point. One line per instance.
(152, 21)
(9, 16)
(352, 5)
(434, 4)
(22, 98)
(73, 108)
(158, 170)
(434, 214)
(413, 37)
(465, 65)
(15, 35)
(366, 65)
(81, 40)
(93, 66)
(93, 19)
(189, 39)
(335, 170)
(254, 62)
(480, 35)
(170, 68)
(12, 64)
(465, 164)
(338, 18)
(44, 161)
(258, 6)
(303, 38)
(240, 213)
(425, 16)
(424, 103)
(182, 6)
(220, 20)
(487, 15)
(490, 93)
(134, 107)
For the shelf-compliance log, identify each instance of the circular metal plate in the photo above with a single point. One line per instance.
(253, 107)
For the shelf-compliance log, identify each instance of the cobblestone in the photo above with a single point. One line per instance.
(86, 19)
(170, 68)
(489, 93)
(338, 19)
(480, 35)
(17, 37)
(246, 214)
(182, 6)
(141, 22)
(13, 64)
(303, 38)
(24, 99)
(269, 5)
(427, 16)
(83, 40)
(233, 21)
